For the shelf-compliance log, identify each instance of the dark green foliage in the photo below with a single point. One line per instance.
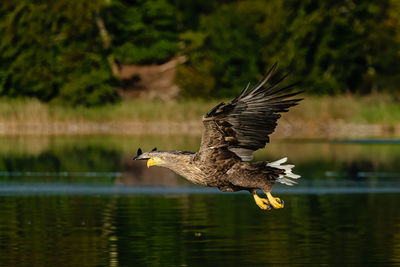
(332, 46)
(92, 88)
(143, 31)
(53, 50)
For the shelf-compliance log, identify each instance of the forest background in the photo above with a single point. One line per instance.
(69, 53)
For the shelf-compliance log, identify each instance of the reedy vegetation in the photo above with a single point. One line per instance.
(375, 109)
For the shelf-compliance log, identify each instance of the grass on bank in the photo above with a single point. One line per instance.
(32, 110)
(371, 109)
(383, 109)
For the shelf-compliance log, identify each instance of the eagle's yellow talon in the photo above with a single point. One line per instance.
(276, 202)
(262, 202)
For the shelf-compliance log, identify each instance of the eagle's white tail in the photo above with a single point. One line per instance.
(288, 177)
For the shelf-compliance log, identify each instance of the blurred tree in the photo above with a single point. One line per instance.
(343, 46)
(142, 31)
(332, 46)
(67, 50)
(50, 48)
(223, 52)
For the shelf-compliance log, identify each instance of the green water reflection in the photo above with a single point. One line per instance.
(71, 228)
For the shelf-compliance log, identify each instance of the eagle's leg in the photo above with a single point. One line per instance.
(263, 203)
(276, 202)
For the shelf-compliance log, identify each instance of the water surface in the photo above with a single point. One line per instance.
(82, 201)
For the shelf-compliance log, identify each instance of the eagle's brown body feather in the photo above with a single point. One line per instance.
(219, 167)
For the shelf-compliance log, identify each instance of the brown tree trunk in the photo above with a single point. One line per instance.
(107, 45)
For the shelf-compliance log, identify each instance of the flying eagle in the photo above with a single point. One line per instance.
(232, 132)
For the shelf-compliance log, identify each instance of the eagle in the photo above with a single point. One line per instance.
(232, 132)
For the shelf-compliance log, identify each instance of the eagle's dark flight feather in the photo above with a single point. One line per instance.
(244, 124)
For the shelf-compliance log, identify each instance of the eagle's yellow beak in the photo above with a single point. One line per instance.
(154, 161)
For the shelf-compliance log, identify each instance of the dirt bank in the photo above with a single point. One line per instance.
(285, 129)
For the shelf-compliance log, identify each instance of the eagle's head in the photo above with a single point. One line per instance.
(153, 157)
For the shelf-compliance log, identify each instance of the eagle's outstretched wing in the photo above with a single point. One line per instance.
(243, 124)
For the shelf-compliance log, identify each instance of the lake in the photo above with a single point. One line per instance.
(82, 201)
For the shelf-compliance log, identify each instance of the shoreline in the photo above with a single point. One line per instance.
(284, 130)
(324, 117)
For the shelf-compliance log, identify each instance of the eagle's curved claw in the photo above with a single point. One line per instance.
(263, 203)
(276, 202)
